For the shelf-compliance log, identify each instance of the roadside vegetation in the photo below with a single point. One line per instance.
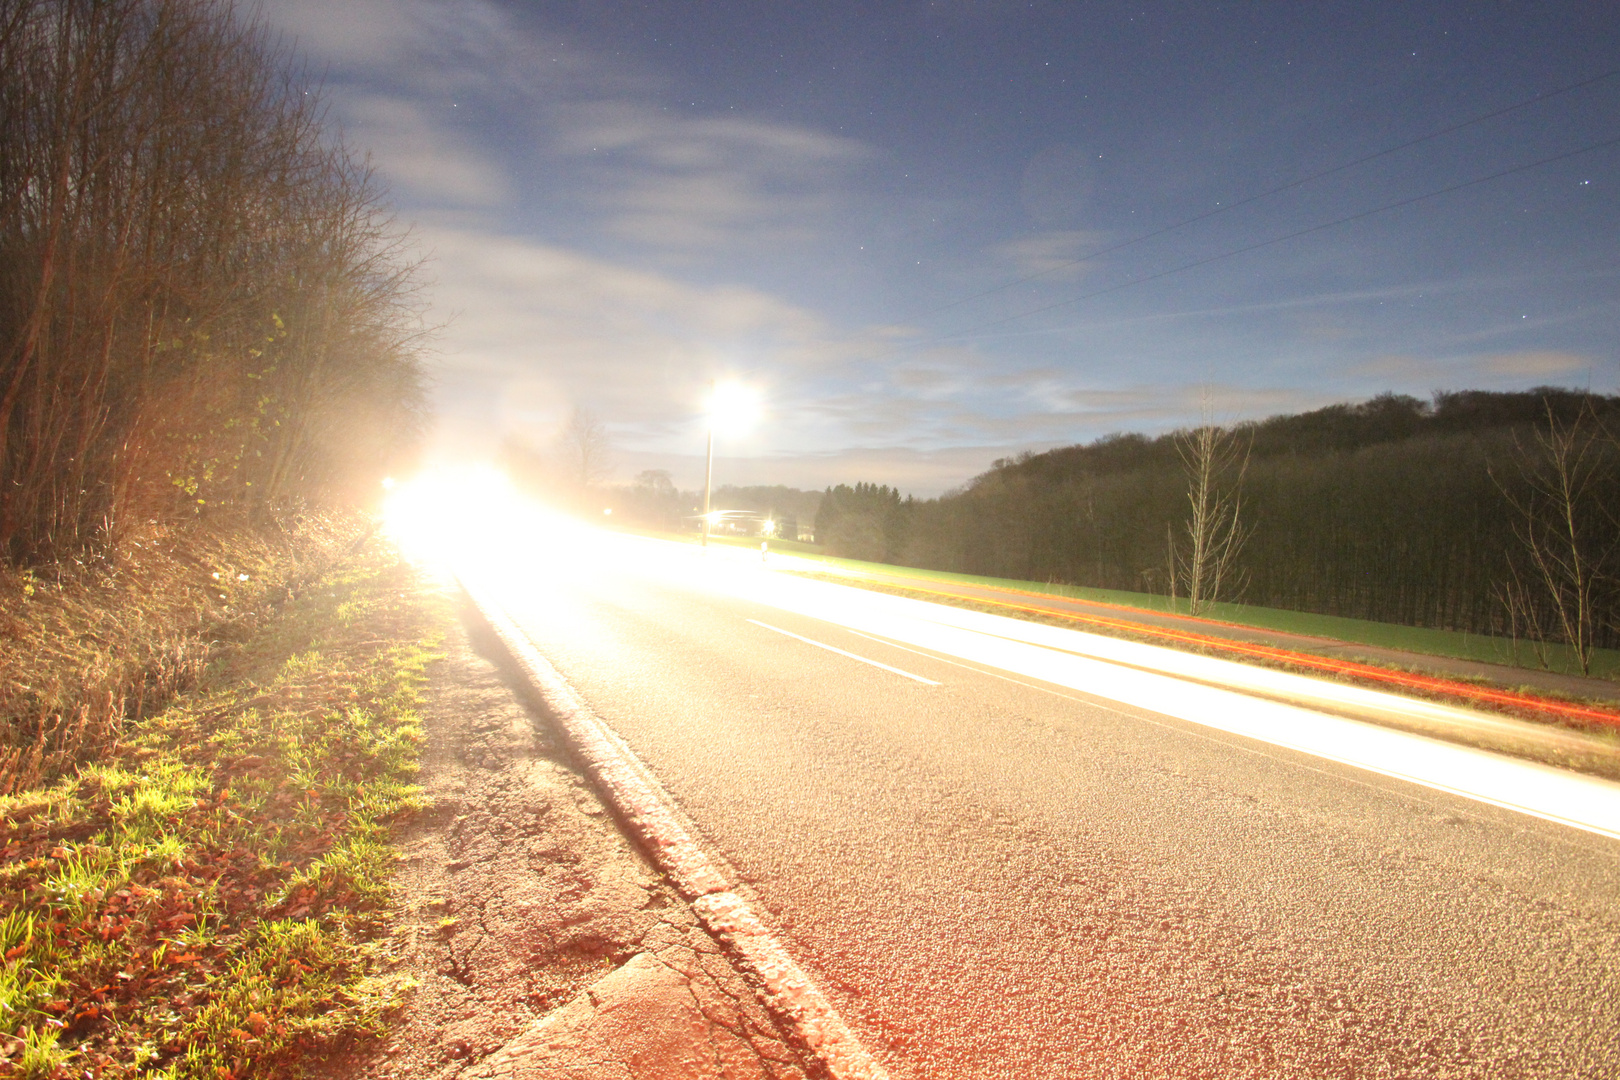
(210, 357)
(206, 310)
(201, 898)
(91, 644)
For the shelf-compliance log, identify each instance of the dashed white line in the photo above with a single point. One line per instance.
(842, 652)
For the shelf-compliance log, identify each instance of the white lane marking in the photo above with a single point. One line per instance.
(841, 652)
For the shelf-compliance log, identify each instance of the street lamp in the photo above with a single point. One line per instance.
(732, 407)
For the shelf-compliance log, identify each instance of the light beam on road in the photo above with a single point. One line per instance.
(1098, 666)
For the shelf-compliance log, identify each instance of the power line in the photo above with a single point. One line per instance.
(1280, 239)
(1276, 191)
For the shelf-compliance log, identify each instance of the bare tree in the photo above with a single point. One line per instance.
(1524, 615)
(1203, 561)
(586, 449)
(202, 300)
(1564, 540)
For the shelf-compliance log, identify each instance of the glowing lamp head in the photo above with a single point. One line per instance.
(733, 407)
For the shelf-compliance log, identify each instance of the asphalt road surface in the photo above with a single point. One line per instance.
(994, 875)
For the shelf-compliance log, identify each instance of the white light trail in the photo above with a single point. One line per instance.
(1095, 665)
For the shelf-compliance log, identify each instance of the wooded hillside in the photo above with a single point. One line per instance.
(1393, 509)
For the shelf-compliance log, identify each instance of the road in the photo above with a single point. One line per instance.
(992, 873)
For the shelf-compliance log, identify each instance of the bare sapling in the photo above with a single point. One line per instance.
(1203, 559)
(1564, 542)
(585, 450)
(1524, 617)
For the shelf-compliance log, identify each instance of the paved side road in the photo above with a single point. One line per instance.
(544, 945)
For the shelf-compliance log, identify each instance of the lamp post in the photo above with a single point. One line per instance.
(708, 474)
(731, 404)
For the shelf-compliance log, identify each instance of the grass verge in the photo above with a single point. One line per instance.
(94, 642)
(203, 900)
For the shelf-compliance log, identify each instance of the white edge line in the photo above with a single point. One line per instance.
(785, 988)
(841, 652)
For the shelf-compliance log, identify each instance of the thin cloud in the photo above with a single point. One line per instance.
(674, 141)
(422, 159)
(696, 183)
(1491, 369)
(1398, 365)
(354, 32)
(1535, 363)
(1050, 254)
(635, 344)
(928, 382)
(1158, 408)
(439, 47)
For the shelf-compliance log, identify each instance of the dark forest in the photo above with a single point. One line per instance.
(1394, 509)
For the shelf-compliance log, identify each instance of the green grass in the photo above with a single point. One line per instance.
(205, 901)
(87, 644)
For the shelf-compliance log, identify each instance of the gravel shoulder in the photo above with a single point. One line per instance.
(540, 941)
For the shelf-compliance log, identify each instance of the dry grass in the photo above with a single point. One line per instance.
(97, 643)
(203, 901)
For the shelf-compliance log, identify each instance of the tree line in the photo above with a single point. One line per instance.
(204, 303)
(1492, 513)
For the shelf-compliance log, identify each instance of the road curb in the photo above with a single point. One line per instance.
(784, 988)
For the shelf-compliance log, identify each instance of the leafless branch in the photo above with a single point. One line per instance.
(1563, 545)
(203, 301)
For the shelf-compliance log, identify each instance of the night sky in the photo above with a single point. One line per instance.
(880, 214)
